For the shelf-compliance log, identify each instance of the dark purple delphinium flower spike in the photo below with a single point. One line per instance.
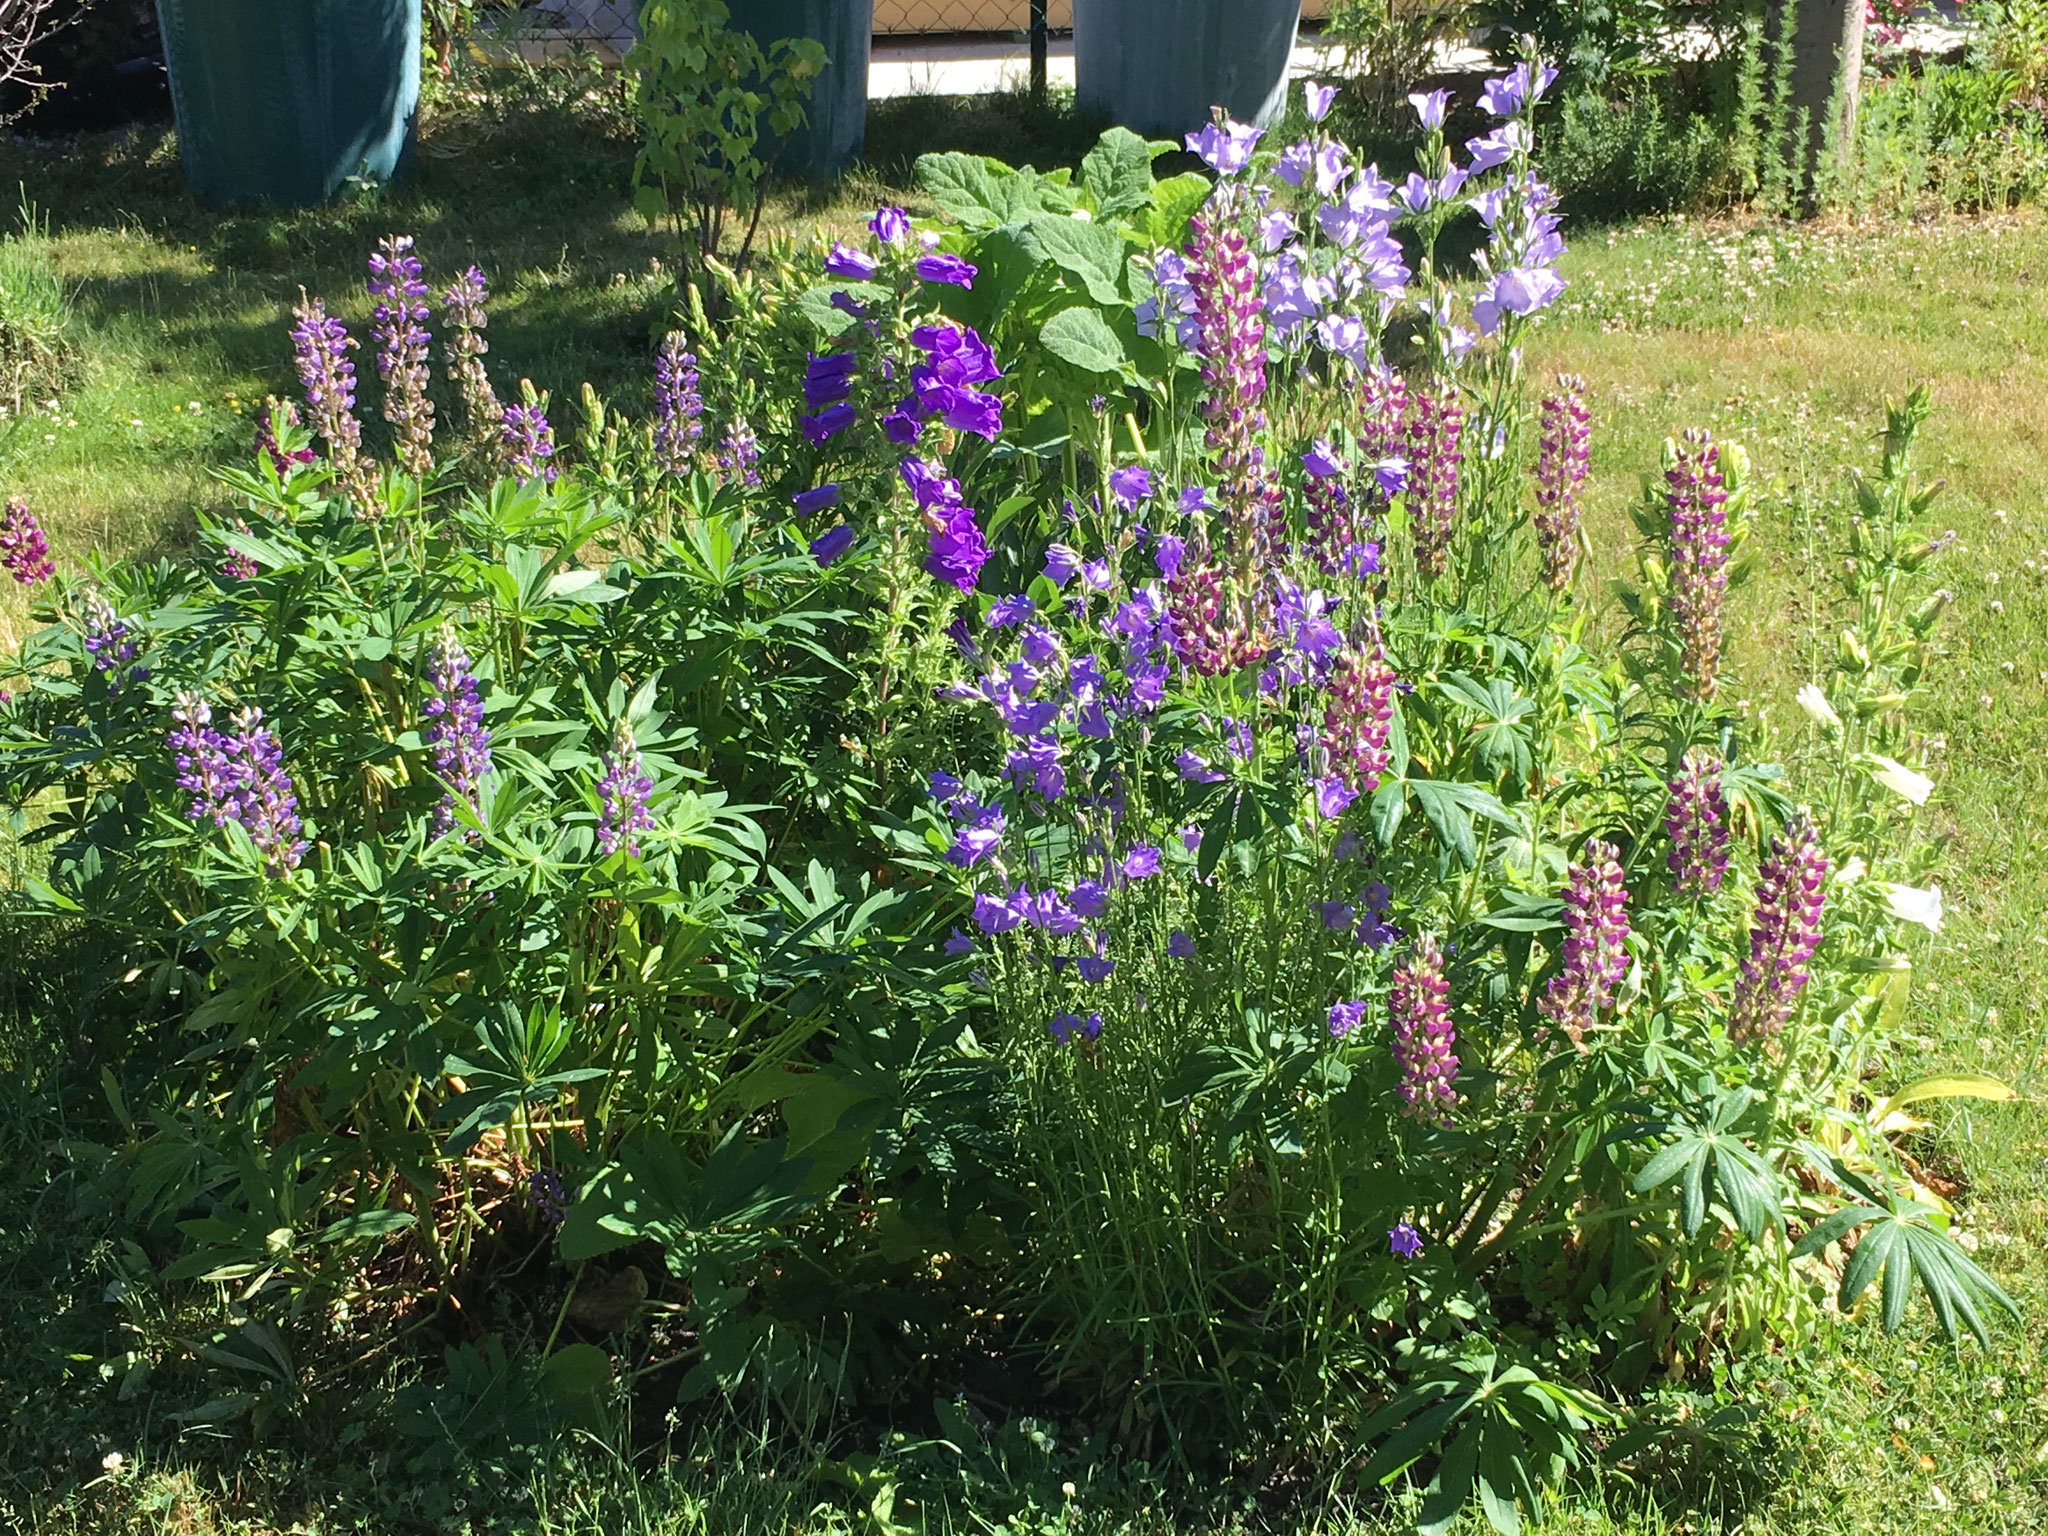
(321, 345)
(264, 801)
(1594, 954)
(278, 416)
(1359, 712)
(528, 443)
(398, 325)
(463, 305)
(1435, 430)
(1231, 325)
(1424, 1044)
(1697, 824)
(1784, 931)
(678, 406)
(456, 731)
(1699, 557)
(1561, 460)
(24, 552)
(623, 793)
(205, 770)
(738, 452)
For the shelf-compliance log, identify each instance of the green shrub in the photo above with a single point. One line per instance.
(1109, 832)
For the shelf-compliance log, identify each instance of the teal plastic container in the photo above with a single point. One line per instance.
(838, 108)
(1158, 66)
(284, 101)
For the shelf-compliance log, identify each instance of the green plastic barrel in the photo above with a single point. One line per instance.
(284, 101)
(1158, 66)
(838, 108)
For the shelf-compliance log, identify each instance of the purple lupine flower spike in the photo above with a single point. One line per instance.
(110, 644)
(460, 741)
(1562, 457)
(464, 305)
(1424, 1043)
(264, 801)
(678, 406)
(623, 793)
(1358, 715)
(1784, 931)
(1697, 824)
(279, 414)
(1594, 953)
(205, 770)
(1696, 495)
(398, 324)
(528, 443)
(24, 551)
(1435, 430)
(738, 452)
(1213, 632)
(1231, 337)
(235, 565)
(320, 345)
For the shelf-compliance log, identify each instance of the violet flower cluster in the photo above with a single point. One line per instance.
(464, 307)
(528, 442)
(737, 454)
(1697, 824)
(398, 325)
(24, 551)
(238, 778)
(1424, 1042)
(110, 644)
(1696, 494)
(1784, 932)
(1563, 454)
(623, 793)
(321, 345)
(678, 406)
(957, 549)
(455, 732)
(1594, 955)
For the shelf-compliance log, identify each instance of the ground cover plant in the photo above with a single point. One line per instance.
(620, 519)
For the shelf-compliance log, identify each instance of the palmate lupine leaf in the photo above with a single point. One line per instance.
(1898, 1246)
(1707, 1156)
(1510, 1433)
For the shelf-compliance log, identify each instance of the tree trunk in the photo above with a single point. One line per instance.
(1827, 74)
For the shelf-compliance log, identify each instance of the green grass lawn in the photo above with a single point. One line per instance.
(1783, 338)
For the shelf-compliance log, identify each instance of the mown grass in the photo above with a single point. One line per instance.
(1784, 338)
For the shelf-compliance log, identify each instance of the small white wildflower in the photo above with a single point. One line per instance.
(1818, 709)
(1912, 905)
(1904, 782)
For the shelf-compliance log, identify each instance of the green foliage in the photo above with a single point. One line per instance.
(709, 98)
(35, 350)
(858, 1163)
